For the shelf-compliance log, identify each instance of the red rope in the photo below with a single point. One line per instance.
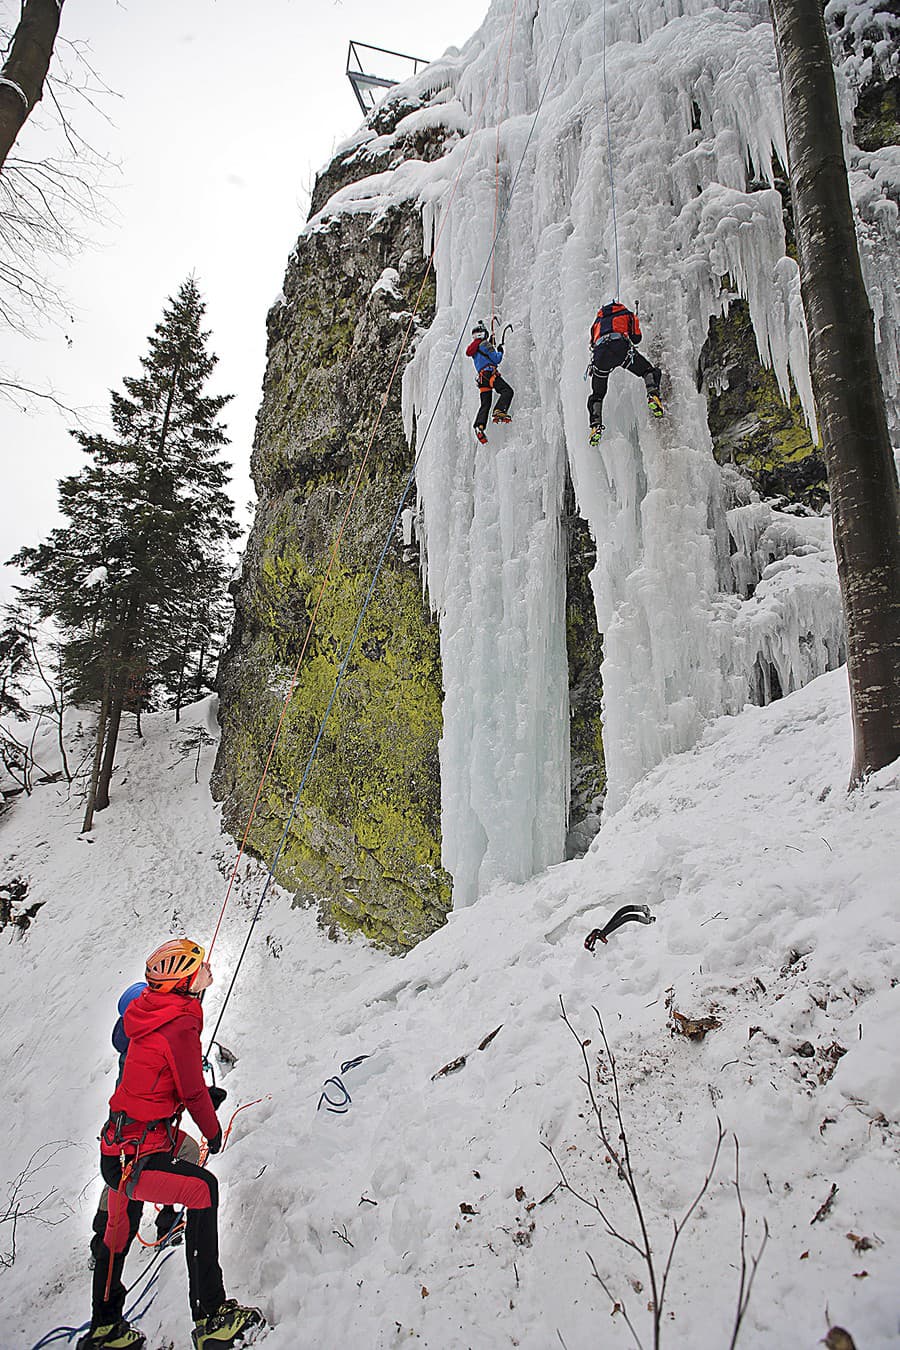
(204, 1154)
(350, 504)
(510, 27)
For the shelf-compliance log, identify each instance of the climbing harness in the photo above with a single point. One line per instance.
(609, 158)
(627, 914)
(389, 535)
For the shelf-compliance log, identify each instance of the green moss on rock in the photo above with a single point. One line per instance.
(584, 647)
(364, 842)
(751, 425)
(877, 116)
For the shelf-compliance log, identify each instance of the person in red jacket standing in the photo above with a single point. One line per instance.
(615, 333)
(162, 1077)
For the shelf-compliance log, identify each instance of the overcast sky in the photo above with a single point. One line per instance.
(224, 111)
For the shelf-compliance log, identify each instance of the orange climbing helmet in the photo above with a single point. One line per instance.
(172, 967)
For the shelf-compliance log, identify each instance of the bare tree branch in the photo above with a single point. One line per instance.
(620, 1153)
(23, 1203)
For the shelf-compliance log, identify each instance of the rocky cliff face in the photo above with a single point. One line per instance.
(364, 844)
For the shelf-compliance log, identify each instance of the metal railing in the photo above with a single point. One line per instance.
(365, 83)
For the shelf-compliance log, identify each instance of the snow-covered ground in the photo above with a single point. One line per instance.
(426, 1213)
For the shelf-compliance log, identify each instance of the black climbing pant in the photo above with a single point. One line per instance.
(497, 386)
(168, 1181)
(608, 356)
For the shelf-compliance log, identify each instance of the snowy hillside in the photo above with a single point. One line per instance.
(426, 1213)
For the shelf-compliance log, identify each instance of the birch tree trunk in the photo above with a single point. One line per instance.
(25, 69)
(846, 383)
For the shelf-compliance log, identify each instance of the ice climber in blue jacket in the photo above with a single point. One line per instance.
(489, 380)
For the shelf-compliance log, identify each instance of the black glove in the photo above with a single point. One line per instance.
(217, 1096)
(215, 1144)
(500, 349)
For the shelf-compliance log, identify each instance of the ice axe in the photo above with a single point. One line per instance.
(627, 914)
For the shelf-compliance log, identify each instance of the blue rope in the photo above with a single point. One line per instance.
(609, 158)
(68, 1334)
(389, 536)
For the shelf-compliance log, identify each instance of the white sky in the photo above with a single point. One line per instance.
(226, 110)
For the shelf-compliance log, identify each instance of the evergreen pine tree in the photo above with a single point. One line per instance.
(131, 577)
(15, 665)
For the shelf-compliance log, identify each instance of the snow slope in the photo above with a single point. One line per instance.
(775, 898)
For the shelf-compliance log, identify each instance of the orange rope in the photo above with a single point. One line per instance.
(350, 504)
(176, 1228)
(509, 29)
(204, 1154)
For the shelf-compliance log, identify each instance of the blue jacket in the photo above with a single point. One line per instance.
(483, 355)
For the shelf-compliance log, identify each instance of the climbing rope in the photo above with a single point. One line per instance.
(503, 110)
(134, 1313)
(350, 504)
(609, 158)
(392, 527)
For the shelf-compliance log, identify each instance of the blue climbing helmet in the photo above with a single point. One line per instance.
(130, 995)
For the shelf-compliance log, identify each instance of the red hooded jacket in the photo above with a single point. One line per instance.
(163, 1072)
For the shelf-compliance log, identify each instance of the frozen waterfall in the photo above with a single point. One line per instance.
(695, 121)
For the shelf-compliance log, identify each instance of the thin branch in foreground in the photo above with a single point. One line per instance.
(21, 1204)
(618, 1303)
(620, 1154)
(745, 1283)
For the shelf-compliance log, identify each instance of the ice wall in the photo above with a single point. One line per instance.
(694, 120)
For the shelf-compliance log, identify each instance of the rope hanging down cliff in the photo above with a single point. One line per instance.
(393, 525)
(502, 113)
(350, 504)
(609, 158)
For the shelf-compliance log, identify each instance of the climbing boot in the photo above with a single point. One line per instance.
(230, 1325)
(480, 436)
(596, 433)
(501, 417)
(112, 1336)
(654, 403)
(169, 1227)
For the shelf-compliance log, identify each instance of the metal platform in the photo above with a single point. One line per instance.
(368, 84)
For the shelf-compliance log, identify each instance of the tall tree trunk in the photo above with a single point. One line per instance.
(60, 708)
(846, 382)
(173, 385)
(25, 69)
(122, 660)
(201, 659)
(88, 822)
(101, 800)
(182, 672)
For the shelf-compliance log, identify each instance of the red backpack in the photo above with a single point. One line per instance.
(615, 320)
